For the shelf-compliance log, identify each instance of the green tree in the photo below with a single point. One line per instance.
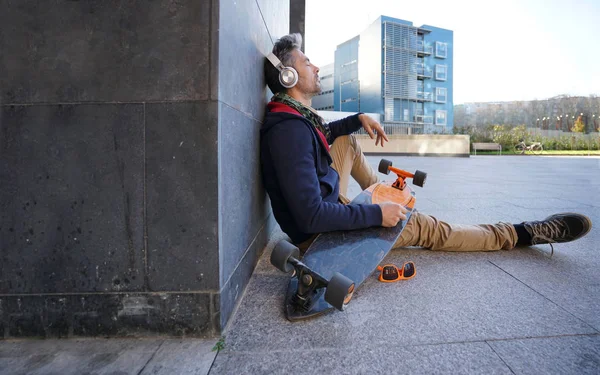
(578, 126)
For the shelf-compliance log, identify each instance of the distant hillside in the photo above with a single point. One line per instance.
(555, 113)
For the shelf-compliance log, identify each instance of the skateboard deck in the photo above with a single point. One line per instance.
(354, 254)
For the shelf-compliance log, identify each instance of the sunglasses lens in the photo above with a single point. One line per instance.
(409, 269)
(390, 273)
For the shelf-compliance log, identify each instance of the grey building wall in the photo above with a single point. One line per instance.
(347, 86)
(130, 193)
(324, 101)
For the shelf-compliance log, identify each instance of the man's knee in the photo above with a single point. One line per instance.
(346, 141)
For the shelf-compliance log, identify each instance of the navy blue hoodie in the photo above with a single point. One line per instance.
(302, 186)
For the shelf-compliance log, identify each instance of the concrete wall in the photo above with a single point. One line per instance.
(130, 198)
(346, 85)
(421, 144)
(245, 219)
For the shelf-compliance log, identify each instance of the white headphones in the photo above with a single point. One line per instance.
(288, 76)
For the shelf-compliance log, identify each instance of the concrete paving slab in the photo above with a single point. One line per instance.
(106, 356)
(182, 357)
(364, 358)
(456, 298)
(552, 355)
(76, 356)
(568, 279)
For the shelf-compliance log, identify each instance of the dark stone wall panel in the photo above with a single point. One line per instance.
(182, 196)
(83, 315)
(245, 32)
(116, 51)
(71, 198)
(232, 291)
(297, 13)
(243, 205)
(276, 14)
(244, 42)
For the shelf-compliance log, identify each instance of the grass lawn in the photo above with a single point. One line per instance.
(545, 152)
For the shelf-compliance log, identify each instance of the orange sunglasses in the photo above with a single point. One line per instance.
(390, 273)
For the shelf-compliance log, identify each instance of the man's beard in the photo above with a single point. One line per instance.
(317, 88)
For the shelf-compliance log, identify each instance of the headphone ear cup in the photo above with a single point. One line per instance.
(288, 77)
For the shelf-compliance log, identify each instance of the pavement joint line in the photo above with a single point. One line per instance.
(213, 362)
(151, 357)
(478, 341)
(548, 299)
(545, 337)
(500, 357)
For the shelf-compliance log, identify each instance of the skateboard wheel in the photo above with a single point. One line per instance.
(384, 166)
(282, 252)
(419, 178)
(339, 291)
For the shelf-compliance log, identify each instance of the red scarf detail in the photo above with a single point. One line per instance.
(280, 107)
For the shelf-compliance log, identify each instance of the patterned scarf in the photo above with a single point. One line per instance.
(309, 113)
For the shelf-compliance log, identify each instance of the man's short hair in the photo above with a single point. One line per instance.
(283, 50)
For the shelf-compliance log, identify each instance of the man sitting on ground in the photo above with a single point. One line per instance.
(307, 179)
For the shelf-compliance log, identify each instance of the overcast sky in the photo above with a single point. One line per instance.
(503, 50)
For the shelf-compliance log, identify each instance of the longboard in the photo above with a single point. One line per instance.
(338, 262)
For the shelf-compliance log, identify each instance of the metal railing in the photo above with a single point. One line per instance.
(422, 118)
(400, 128)
(423, 71)
(424, 95)
(424, 48)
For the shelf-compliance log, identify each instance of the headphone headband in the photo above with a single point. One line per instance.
(275, 61)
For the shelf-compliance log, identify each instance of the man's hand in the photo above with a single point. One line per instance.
(369, 125)
(392, 213)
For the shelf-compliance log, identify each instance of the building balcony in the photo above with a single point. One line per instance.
(424, 96)
(424, 49)
(423, 72)
(423, 119)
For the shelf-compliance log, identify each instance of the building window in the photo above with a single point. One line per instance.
(349, 63)
(441, 72)
(440, 94)
(325, 108)
(440, 117)
(441, 50)
(325, 92)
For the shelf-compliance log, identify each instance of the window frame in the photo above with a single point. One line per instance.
(437, 100)
(439, 55)
(445, 112)
(438, 66)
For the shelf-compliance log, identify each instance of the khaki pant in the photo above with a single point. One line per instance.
(421, 230)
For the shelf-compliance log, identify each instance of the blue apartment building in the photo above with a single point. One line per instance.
(400, 71)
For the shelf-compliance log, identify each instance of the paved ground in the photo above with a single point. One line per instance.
(518, 311)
